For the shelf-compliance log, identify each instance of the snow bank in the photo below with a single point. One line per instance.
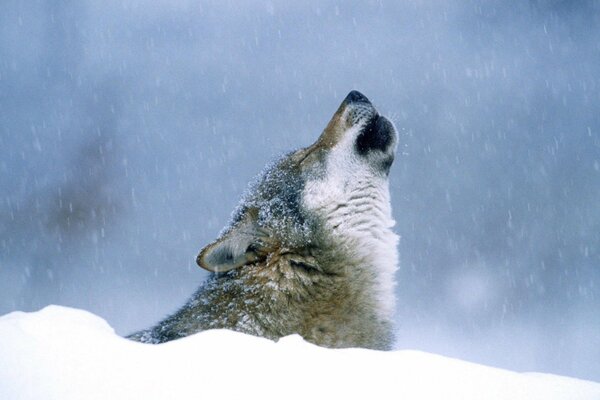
(64, 353)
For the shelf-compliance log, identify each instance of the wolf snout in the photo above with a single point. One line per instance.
(359, 108)
(356, 97)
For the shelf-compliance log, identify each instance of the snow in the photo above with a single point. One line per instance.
(65, 353)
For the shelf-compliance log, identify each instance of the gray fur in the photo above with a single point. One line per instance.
(281, 267)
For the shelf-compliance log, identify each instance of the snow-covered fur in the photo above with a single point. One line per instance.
(310, 249)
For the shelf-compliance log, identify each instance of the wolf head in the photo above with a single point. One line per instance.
(329, 197)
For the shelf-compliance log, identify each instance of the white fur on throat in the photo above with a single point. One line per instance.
(355, 203)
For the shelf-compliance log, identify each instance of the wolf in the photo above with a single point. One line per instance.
(310, 249)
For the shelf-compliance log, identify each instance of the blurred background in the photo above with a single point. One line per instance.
(129, 130)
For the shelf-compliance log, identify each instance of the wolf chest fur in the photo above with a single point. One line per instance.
(310, 248)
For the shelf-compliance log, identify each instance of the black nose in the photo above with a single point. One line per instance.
(356, 97)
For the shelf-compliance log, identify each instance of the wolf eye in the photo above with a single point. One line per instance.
(311, 269)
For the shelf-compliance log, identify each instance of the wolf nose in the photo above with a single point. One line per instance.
(356, 97)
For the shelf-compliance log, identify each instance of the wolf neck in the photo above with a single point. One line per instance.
(358, 215)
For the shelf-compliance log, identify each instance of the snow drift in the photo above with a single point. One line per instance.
(64, 353)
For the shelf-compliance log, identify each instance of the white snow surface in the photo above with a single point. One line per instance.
(65, 353)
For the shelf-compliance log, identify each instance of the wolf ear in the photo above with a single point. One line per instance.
(243, 244)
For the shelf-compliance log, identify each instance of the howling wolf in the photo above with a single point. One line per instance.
(310, 248)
